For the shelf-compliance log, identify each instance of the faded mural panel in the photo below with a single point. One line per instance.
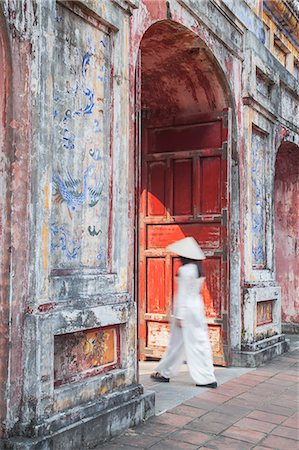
(85, 353)
(81, 156)
(259, 155)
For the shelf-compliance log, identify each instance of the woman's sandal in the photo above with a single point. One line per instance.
(158, 377)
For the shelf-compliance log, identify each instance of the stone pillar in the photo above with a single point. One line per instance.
(74, 317)
(265, 111)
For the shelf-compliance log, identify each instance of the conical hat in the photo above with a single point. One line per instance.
(188, 248)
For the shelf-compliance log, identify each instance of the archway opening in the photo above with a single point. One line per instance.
(286, 194)
(184, 185)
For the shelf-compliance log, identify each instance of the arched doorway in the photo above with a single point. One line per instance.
(286, 194)
(184, 183)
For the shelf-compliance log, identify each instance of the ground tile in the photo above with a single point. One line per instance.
(266, 372)
(225, 443)
(205, 448)
(206, 426)
(169, 444)
(250, 397)
(250, 380)
(155, 429)
(280, 443)
(292, 422)
(292, 433)
(189, 411)
(287, 402)
(244, 434)
(285, 383)
(133, 439)
(236, 408)
(116, 447)
(275, 409)
(256, 425)
(266, 417)
(191, 437)
(218, 417)
(249, 404)
(196, 402)
(215, 397)
(286, 376)
(232, 390)
(176, 420)
(260, 447)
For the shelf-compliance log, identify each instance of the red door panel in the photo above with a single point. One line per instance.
(156, 299)
(161, 235)
(184, 194)
(156, 189)
(186, 137)
(210, 185)
(182, 187)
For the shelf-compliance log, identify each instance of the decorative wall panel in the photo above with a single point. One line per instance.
(85, 353)
(259, 155)
(81, 156)
(264, 312)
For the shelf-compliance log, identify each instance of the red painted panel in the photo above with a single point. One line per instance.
(210, 185)
(188, 137)
(264, 312)
(212, 268)
(156, 289)
(182, 187)
(156, 189)
(85, 353)
(160, 236)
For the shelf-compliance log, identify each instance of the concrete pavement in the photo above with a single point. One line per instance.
(257, 409)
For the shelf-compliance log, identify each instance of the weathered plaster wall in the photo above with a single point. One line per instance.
(15, 176)
(286, 193)
(73, 317)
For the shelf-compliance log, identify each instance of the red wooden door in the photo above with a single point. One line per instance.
(184, 193)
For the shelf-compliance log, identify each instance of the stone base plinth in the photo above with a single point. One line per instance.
(255, 354)
(121, 410)
(290, 328)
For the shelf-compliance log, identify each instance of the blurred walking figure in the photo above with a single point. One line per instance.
(189, 331)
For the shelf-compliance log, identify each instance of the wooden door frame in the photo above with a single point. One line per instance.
(137, 191)
(139, 145)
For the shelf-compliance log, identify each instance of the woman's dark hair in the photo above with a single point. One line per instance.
(198, 263)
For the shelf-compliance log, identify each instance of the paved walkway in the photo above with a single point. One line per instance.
(181, 387)
(256, 410)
